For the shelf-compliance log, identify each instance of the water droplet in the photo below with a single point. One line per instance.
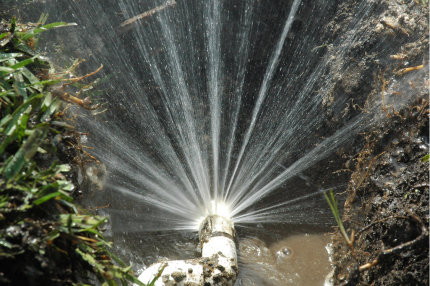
(84, 139)
(246, 282)
(287, 251)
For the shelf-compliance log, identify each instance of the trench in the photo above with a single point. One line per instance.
(256, 105)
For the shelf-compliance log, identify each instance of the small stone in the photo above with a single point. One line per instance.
(178, 276)
(220, 268)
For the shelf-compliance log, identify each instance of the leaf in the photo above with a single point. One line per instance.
(104, 243)
(27, 36)
(134, 279)
(24, 154)
(124, 282)
(19, 85)
(62, 124)
(46, 100)
(6, 69)
(5, 120)
(116, 258)
(22, 126)
(70, 205)
(6, 93)
(332, 201)
(8, 56)
(6, 85)
(5, 38)
(42, 20)
(95, 225)
(45, 82)
(7, 141)
(63, 168)
(66, 185)
(5, 243)
(23, 63)
(13, 24)
(96, 233)
(33, 79)
(51, 196)
(22, 173)
(53, 107)
(4, 35)
(92, 261)
(48, 172)
(25, 107)
(4, 200)
(158, 275)
(82, 220)
(95, 93)
(46, 198)
(69, 224)
(23, 47)
(103, 79)
(425, 158)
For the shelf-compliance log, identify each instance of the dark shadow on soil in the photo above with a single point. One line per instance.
(388, 194)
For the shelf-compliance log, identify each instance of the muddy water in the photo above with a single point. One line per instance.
(267, 256)
(296, 260)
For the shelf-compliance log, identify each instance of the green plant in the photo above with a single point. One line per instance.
(39, 220)
(332, 201)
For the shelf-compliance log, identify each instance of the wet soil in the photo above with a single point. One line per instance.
(34, 258)
(387, 208)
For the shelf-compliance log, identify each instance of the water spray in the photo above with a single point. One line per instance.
(217, 266)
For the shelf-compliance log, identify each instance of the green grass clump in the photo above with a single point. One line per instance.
(45, 237)
(332, 201)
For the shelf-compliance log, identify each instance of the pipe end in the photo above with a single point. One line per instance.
(216, 225)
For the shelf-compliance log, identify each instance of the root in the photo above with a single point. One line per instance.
(384, 252)
(60, 92)
(399, 248)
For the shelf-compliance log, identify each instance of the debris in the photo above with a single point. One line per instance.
(149, 13)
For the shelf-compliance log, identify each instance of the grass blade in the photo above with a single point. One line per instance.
(332, 201)
(45, 28)
(134, 279)
(24, 154)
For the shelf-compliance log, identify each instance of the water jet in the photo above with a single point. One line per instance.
(247, 102)
(218, 265)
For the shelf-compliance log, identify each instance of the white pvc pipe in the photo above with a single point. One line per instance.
(217, 267)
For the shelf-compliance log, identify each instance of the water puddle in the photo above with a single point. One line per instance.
(267, 257)
(296, 260)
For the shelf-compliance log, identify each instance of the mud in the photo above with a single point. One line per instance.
(388, 208)
(387, 204)
(296, 260)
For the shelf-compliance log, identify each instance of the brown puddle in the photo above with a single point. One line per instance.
(296, 260)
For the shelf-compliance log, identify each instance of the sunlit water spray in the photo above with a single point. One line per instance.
(190, 123)
(217, 107)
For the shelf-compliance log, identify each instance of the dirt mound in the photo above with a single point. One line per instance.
(388, 207)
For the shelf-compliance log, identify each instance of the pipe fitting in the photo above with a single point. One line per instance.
(216, 225)
(218, 265)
